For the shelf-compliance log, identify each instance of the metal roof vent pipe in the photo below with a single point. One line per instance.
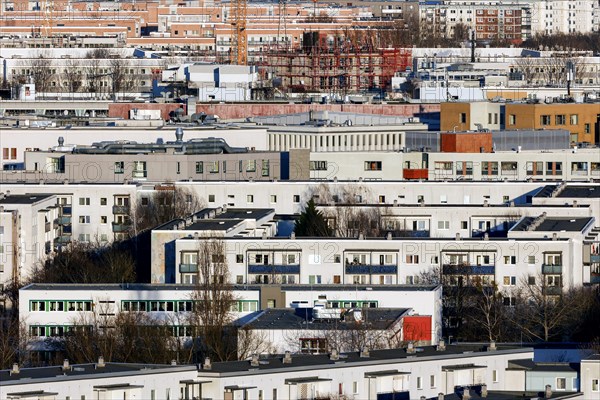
(287, 358)
(15, 369)
(61, 141)
(555, 236)
(457, 236)
(293, 236)
(575, 203)
(440, 396)
(389, 236)
(441, 346)
(179, 135)
(486, 236)
(548, 392)
(484, 391)
(66, 366)
(100, 363)
(254, 362)
(207, 364)
(335, 355)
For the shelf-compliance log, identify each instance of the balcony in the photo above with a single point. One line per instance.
(552, 290)
(62, 239)
(595, 277)
(120, 210)
(551, 269)
(63, 220)
(119, 227)
(188, 268)
(595, 258)
(466, 269)
(274, 269)
(66, 210)
(367, 269)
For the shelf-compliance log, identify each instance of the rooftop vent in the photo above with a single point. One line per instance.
(207, 364)
(287, 358)
(101, 363)
(179, 135)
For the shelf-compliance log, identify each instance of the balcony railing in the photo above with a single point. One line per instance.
(66, 210)
(595, 277)
(274, 269)
(466, 269)
(63, 220)
(552, 290)
(119, 227)
(551, 269)
(595, 258)
(188, 268)
(394, 396)
(369, 269)
(62, 239)
(120, 210)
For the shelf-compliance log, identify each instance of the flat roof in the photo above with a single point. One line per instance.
(174, 286)
(78, 371)
(530, 365)
(290, 318)
(571, 191)
(217, 224)
(507, 395)
(316, 361)
(24, 198)
(553, 224)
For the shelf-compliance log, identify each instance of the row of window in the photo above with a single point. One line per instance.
(86, 201)
(60, 305)
(511, 167)
(181, 305)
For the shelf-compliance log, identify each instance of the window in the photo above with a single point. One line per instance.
(103, 219)
(84, 201)
(462, 118)
(510, 260)
(139, 169)
(211, 198)
(443, 165)
(251, 166)
(574, 119)
(318, 165)
(579, 166)
(561, 383)
(531, 280)
(586, 128)
(432, 381)
(355, 387)
(534, 168)
(560, 119)
(412, 258)
(119, 167)
(372, 165)
(545, 120)
(495, 375)
(199, 167)
(464, 225)
(419, 383)
(530, 260)
(265, 168)
(512, 119)
(489, 168)
(510, 280)
(250, 198)
(239, 258)
(443, 225)
(296, 198)
(464, 168)
(214, 167)
(84, 219)
(595, 385)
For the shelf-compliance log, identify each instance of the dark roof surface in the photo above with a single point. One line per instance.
(571, 191)
(323, 360)
(294, 318)
(530, 365)
(80, 370)
(554, 224)
(246, 213)
(505, 395)
(24, 198)
(213, 224)
(167, 286)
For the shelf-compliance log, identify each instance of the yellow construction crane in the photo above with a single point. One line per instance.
(239, 36)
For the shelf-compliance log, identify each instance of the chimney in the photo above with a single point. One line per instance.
(364, 353)
(361, 236)
(335, 355)
(66, 182)
(66, 366)
(555, 236)
(492, 346)
(173, 362)
(15, 369)
(411, 348)
(440, 396)
(264, 235)
(207, 365)
(389, 236)
(466, 394)
(457, 237)
(441, 346)
(574, 203)
(100, 363)
(548, 392)
(423, 398)
(287, 358)
(254, 362)
(486, 236)
(484, 391)
(486, 203)
(179, 135)
(293, 236)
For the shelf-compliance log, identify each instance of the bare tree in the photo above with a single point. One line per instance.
(543, 309)
(250, 342)
(73, 75)
(213, 302)
(167, 203)
(489, 311)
